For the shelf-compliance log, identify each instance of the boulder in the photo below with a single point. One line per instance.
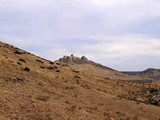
(155, 100)
(84, 58)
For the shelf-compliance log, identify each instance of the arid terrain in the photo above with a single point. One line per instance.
(72, 88)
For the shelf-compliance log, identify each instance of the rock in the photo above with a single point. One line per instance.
(84, 58)
(73, 59)
(155, 100)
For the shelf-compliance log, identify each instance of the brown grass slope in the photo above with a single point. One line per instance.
(95, 69)
(32, 88)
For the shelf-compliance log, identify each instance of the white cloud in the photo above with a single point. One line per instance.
(124, 46)
(104, 3)
(23, 3)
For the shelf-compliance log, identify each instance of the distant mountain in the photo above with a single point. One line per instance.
(149, 73)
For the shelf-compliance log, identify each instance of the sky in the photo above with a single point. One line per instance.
(121, 34)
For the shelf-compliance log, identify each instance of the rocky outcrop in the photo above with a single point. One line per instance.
(74, 59)
(155, 100)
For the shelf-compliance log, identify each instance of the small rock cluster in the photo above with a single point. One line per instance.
(155, 100)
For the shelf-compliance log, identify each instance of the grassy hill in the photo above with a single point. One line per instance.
(32, 88)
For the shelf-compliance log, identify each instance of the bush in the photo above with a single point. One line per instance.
(57, 70)
(55, 67)
(19, 63)
(153, 90)
(58, 63)
(20, 80)
(39, 61)
(42, 67)
(27, 69)
(50, 68)
(51, 62)
(22, 60)
(19, 52)
(77, 77)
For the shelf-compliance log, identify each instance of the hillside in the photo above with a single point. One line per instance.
(95, 69)
(33, 88)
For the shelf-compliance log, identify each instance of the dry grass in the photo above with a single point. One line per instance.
(51, 91)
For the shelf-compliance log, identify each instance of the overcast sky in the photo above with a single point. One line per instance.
(121, 34)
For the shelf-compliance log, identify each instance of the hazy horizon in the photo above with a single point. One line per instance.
(121, 34)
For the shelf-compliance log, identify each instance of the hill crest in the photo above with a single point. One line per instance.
(74, 59)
